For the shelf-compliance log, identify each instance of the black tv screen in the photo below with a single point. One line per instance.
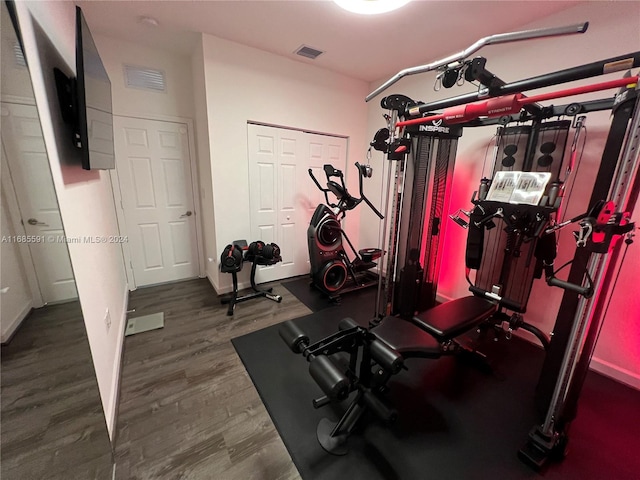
(93, 96)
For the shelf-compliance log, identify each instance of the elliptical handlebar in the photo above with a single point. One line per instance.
(323, 190)
(345, 200)
(343, 204)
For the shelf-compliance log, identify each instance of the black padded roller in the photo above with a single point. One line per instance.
(385, 356)
(329, 378)
(295, 338)
(347, 323)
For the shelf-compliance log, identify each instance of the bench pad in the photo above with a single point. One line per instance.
(407, 339)
(450, 319)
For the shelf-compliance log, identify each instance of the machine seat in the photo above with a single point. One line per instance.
(450, 319)
(407, 339)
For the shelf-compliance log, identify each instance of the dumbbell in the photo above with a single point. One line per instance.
(329, 378)
(231, 259)
(271, 251)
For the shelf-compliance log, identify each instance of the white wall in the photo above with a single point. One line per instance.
(85, 198)
(245, 84)
(614, 30)
(175, 104)
(176, 101)
(203, 151)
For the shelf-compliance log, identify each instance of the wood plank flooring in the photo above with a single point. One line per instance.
(53, 426)
(188, 409)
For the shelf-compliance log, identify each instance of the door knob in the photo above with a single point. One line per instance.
(188, 213)
(33, 221)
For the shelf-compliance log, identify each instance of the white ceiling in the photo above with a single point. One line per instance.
(363, 47)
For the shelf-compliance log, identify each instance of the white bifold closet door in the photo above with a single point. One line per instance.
(282, 195)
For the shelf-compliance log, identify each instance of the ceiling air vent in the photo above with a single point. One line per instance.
(19, 56)
(309, 52)
(144, 78)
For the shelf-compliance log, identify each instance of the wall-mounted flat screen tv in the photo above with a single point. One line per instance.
(86, 102)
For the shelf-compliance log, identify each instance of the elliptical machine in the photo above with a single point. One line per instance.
(332, 272)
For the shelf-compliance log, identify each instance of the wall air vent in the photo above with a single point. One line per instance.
(309, 52)
(18, 55)
(144, 78)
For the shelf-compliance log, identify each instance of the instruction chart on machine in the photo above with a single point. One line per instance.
(518, 187)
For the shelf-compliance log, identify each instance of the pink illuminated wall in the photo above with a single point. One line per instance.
(618, 350)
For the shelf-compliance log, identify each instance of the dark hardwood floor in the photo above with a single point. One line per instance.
(52, 421)
(188, 409)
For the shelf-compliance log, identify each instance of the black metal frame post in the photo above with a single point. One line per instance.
(562, 328)
(572, 346)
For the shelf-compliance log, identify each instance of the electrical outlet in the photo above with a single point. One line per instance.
(107, 319)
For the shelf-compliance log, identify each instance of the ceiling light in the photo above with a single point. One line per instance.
(371, 7)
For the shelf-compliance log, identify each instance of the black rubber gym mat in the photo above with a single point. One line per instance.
(315, 300)
(456, 422)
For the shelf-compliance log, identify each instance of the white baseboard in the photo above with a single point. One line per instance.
(615, 372)
(112, 414)
(13, 326)
(215, 286)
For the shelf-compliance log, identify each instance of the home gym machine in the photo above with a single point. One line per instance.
(523, 195)
(231, 261)
(332, 272)
(420, 201)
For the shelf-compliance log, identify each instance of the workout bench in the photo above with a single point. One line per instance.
(375, 355)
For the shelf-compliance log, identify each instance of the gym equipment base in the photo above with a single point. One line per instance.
(364, 279)
(232, 299)
(540, 451)
(336, 445)
(454, 420)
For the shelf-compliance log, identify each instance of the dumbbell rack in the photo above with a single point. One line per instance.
(257, 292)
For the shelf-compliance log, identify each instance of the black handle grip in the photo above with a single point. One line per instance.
(321, 402)
(586, 292)
(505, 302)
(315, 180)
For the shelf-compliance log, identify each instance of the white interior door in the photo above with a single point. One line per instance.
(153, 165)
(15, 290)
(30, 172)
(282, 195)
